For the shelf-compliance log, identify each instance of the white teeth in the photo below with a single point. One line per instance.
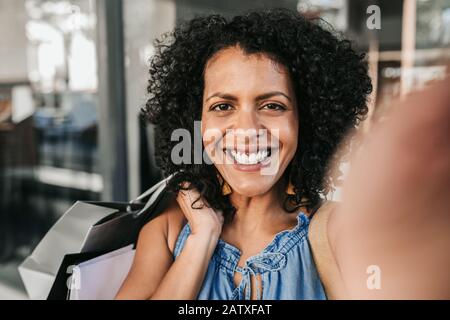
(253, 158)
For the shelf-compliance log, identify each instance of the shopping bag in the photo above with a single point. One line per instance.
(89, 227)
(92, 276)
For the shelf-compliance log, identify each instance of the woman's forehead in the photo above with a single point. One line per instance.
(233, 69)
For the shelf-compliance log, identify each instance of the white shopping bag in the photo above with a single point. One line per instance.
(101, 278)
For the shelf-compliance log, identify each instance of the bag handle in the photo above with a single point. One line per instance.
(150, 190)
(153, 192)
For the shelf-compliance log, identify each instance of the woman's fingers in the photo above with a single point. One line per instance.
(199, 214)
(191, 198)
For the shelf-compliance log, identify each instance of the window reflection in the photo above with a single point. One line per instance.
(48, 126)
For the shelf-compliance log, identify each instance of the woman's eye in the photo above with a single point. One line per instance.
(273, 106)
(221, 107)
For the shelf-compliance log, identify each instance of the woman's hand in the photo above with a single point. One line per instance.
(180, 279)
(203, 220)
(392, 229)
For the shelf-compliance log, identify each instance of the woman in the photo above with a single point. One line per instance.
(282, 92)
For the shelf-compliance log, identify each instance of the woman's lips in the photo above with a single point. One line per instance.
(250, 167)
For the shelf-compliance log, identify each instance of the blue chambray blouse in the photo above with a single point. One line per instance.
(286, 268)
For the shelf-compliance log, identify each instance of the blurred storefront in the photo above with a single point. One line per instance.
(73, 76)
(48, 129)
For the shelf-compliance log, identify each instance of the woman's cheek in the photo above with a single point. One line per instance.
(286, 131)
(212, 137)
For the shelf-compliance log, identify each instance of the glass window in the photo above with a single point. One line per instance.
(48, 122)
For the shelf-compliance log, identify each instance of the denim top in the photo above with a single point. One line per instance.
(286, 268)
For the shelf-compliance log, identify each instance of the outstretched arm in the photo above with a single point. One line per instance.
(391, 233)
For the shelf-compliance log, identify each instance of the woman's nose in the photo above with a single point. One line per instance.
(247, 119)
(247, 128)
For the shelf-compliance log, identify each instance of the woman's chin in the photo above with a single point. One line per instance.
(250, 184)
(251, 190)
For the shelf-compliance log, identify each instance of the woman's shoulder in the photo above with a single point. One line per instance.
(322, 247)
(325, 209)
(319, 226)
(168, 223)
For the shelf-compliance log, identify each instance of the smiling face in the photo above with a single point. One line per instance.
(249, 105)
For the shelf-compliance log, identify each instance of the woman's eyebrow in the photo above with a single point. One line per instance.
(223, 96)
(260, 97)
(271, 94)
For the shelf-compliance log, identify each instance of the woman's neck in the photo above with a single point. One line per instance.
(262, 212)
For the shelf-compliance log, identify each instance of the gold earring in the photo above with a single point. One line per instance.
(226, 189)
(290, 189)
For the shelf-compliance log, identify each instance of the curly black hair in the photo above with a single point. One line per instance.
(330, 80)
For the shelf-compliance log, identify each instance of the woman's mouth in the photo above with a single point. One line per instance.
(250, 158)
(244, 160)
